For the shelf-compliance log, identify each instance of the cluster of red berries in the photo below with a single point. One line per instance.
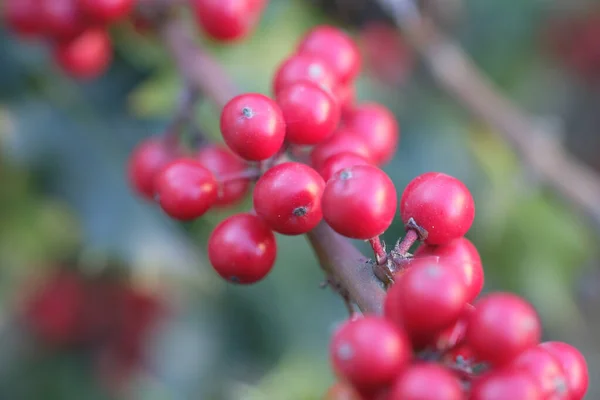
(107, 317)
(77, 30)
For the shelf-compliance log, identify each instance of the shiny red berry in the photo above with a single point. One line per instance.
(425, 381)
(342, 141)
(87, 56)
(222, 162)
(440, 204)
(106, 11)
(186, 189)
(253, 126)
(62, 19)
(146, 161)
(546, 371)
(463, 255)
(426, 298)
(574, 366)
(304, 67)
(227, 20)
(311, 114)
(24, 17)
(288, 198)
(359, 202)
(340, 161)
(504, 384)
(377, 126)
(501, 327)
(336, 48)
(369, 352)
(242, 249)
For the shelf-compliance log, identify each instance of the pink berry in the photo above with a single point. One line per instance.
(227, 20)
(574, 366)
(440, 204)
(506, 384)
(311, 114)
(107, 11)
(460, 254)
(369, 352)
(342, 141)
(359, 202)
(502, 326)
(288, 198)
(146, 161)
(87, 56)
(253, 126)
(222, 162)
(339, 162)
(546, 371)
(304, 67)
(242, 249)
(377, 126)
(336, 48)
(186, 189)
(426, 381)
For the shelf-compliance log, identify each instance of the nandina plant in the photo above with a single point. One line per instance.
(311, 159)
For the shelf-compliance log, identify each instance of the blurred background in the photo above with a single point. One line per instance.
(75, 241)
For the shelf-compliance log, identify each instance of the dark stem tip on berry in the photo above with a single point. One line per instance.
(300, 211)
(247, 111)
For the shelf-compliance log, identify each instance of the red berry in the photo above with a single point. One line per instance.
(504, 384)
(546, 371)
(253, 126)
(242, 249)
(342, 141)
(455, 334)
(311, 114)
(107, 11)
(377, 126)
(336, 48)
(460, 254)
(339, 162)
(186, 189)
(62, 19)
(86, 56)
(146, 161)
(227, 20)
(574, 366)
(221, 162)
(359, 202)
(304, 67)
(440, 204)
(288, 198)
(501, 327)
(426, 298)
(369, 352)
(426, 381)
(23, 17)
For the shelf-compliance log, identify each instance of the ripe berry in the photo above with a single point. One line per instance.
(359, 202)
(501, 327)
(62, 19)
(460, 254)
(426, 381)
(242, 249)
(304, 67)
(227, 20)
(377, 126)
(253, 126)
(454, 334)
(369, 352)
(339, 162)
(288, 198)
(505, 384)
(440, 204)
(186, 189)
(426, 298)
(336, 48)
(86, 56)
(574, 366)
(311, 114)
(342, 141)
(546, 371)
(23, 17)
(146, 161)
(221, 162)
(107, 11)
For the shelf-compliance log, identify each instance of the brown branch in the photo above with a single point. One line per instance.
(337, 256)
(540, 151)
